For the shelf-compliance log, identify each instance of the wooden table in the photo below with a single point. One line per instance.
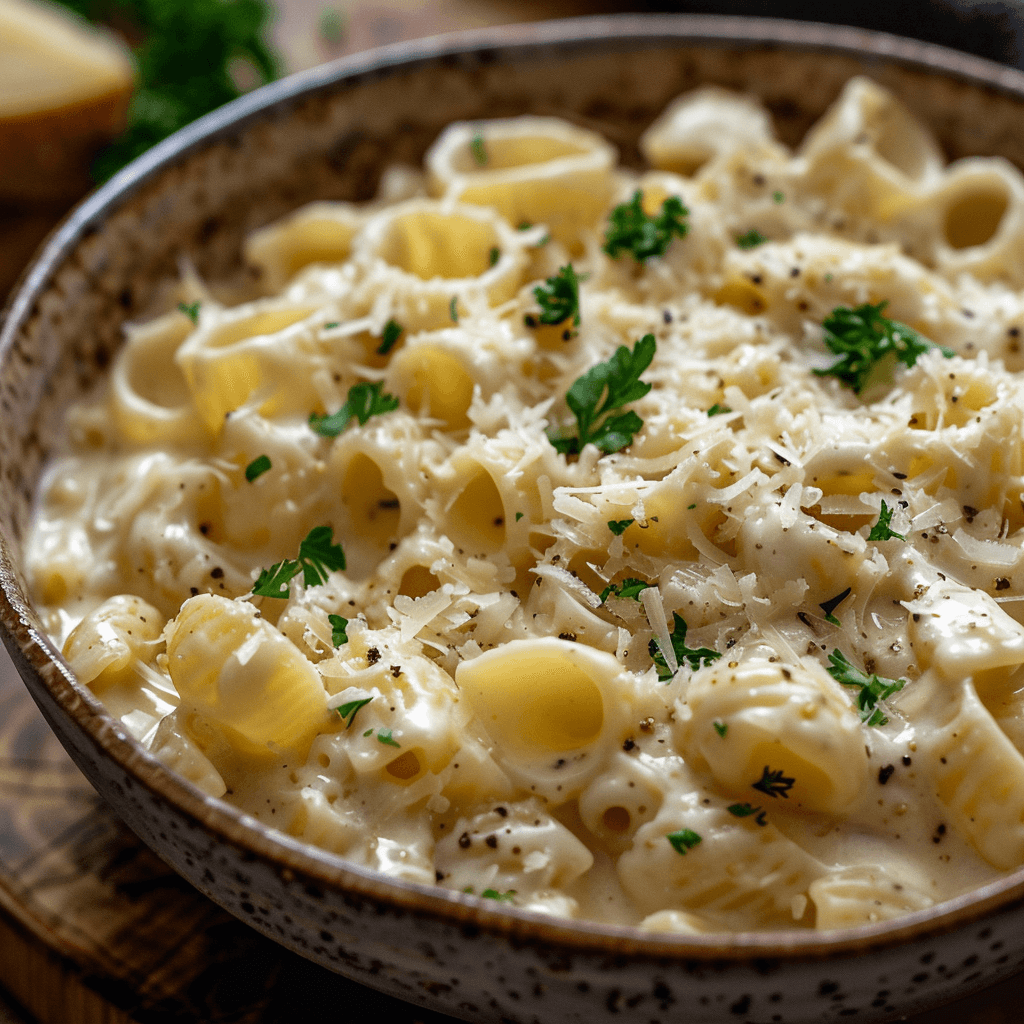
(94, 929)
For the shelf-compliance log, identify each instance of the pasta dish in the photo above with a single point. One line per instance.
(636, 545)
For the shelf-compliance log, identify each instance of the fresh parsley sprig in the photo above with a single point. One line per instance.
(348, 710)
(746, 810)
(619, 526)
(683, 840)
(392, 332)
(631, 230)
(863, 337)
(257, 467)
(774, 783)
(339, 629)
(500, 897)
(191, 310)
(559, 297)
(696, 656)
(872, 688)
(364, 400)
(628, 588)
(318, 554)
(751, 239)
(881, 530)
(602, 389)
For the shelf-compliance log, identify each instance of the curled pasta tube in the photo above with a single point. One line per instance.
(260, 349)
(869, 154)
(241, 673)
(535, 170)
(439, 259)
(553, 709)
(746, 717)
(150, 399)
(863, 894)
(701, 125)
(315, 233)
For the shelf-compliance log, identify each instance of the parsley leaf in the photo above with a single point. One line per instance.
(601, 389)
(695, 656)
(717, 410)
(872, 688)
(746, 810)
(631, 230)
(453, 309)
(721, 728)
(364, 400)
(779, 197)
(338, 627)
(774, 783)
(627, 588)
(829, 606)
(392, 332)
(862, 337)
(751, 239)
(501, 897)
(317, 555)
(384, 736)
(881, 531)
(191, 310)
(348, 711)
(619, 526)
(559, 297)
(494, 255)
(479, 151)
(257, 467)
(683, 840)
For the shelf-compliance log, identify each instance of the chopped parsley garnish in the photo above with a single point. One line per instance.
(364, 400)
(348, 710)
(862, 338)
(779, 197)
(721, 728)
(746, 810)
(632, 230)
(317, 555)
(494, 255)
(453, 309)
(628, 588)
(751, 239)
(829, 606)
(519, 515)
(881, 531)
(191, 310)
(718, 410)
(619, 526)
(774, 783)
(332, 324)
(524, 225)
(501, 897)
(257, 467)
(339, 625)
(683, 840)
(559, 297)
(696, 656)
(384, 736)
(603, 388)
(479, 151)
(369, 732)
(872, 688)
(392, 332)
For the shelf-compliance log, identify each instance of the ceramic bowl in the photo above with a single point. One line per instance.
(326, 134)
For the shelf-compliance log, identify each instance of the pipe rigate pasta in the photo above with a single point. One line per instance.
(637, 543)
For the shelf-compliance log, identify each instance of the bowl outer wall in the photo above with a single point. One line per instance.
(325, 134)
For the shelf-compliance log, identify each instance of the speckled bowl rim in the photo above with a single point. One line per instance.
(33, 652)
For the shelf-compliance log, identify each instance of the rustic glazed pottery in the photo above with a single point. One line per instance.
(327, 134)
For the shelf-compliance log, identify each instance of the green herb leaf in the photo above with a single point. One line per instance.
(871, 688)
(495, 255)
(628, 588)
(453, 309)
(751, 239)
(348, 710)
(746, 810)
(774, 783)
(364, 400)
(479, 151)
(317, 555)
(619, 526)
(501, 897)
(721, 728)
(257, 467)
(273, 582)
(862, 338)
(384, 736)
(683, 840)
(829, 606)
(695, 656)
(191, 310)
(392, 332)
(881, 531)
(631, 230)
(519, 515)
(717, 410)
(603, 388)
(339, 625)
(559, 297)
(369, 732)
(779, 197)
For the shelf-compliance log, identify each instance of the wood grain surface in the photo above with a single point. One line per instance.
(95, 929)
